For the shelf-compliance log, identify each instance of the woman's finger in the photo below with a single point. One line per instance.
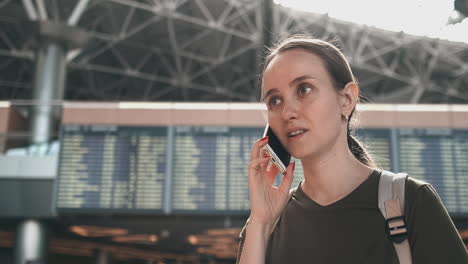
(262, 153)
(257, 146)
(271, 172)
(258, 164)
(288, 177)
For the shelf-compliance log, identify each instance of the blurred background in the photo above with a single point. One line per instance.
(126, 125)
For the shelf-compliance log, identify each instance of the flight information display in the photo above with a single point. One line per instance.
(440, 157)
(210, 168)
(203, 169)
(109, 167)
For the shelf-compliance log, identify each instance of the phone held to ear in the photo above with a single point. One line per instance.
(278, 154)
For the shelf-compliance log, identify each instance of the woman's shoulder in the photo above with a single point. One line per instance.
(417, 188)
(432, 235)
(419, 193)
(414, 184)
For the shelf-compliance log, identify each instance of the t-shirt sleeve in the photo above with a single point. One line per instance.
(433, 237)
(241, 241)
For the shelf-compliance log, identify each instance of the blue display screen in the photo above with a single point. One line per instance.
(203, 169)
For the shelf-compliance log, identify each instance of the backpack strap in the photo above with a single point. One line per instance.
(391, 205)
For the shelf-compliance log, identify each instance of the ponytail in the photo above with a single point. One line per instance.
(357, 148)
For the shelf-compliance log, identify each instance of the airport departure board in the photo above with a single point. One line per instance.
(109, 167)
(210, 168)
(203, 169)
(440, 157)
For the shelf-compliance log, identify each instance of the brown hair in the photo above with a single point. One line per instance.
(340, 72)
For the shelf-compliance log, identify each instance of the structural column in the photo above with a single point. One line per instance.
(31, 242)
(53, 41)
(48, 91)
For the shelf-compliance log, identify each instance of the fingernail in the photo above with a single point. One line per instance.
(294, 166)
(263, 139)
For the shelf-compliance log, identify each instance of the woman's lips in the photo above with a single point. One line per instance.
(298, 136)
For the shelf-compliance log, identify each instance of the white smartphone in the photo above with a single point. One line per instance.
(279, 156)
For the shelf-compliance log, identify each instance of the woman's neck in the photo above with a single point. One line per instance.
(333, 175)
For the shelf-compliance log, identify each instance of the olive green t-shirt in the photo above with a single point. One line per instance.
(352, 230)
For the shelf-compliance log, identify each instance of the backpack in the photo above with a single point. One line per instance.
(391, 201)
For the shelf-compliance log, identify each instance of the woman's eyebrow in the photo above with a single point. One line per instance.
(300, 78)
(296, 80)
(272, 90)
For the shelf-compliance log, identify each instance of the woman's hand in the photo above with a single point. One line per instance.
(266, 201)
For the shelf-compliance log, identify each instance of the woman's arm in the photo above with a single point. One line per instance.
(266, 204)
(254, 246)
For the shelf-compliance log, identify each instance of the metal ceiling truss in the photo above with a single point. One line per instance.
(391, 66)
(210, 50)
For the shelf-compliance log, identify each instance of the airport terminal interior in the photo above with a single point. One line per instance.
(126, 125)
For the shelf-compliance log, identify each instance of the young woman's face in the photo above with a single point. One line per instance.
(304, 109)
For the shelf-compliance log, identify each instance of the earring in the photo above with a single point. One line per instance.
(344, 117)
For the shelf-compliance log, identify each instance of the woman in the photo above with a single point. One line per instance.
(333, 216)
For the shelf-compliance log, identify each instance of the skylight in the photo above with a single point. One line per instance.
(417, 17)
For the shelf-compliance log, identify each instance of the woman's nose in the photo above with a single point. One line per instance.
(290, 109)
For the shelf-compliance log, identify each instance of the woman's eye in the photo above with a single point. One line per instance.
(304, 89)
(274, 101)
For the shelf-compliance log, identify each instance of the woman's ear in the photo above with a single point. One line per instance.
(349, 98)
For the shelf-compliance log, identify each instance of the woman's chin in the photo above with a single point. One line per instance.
(299, 155)
(304, 155)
